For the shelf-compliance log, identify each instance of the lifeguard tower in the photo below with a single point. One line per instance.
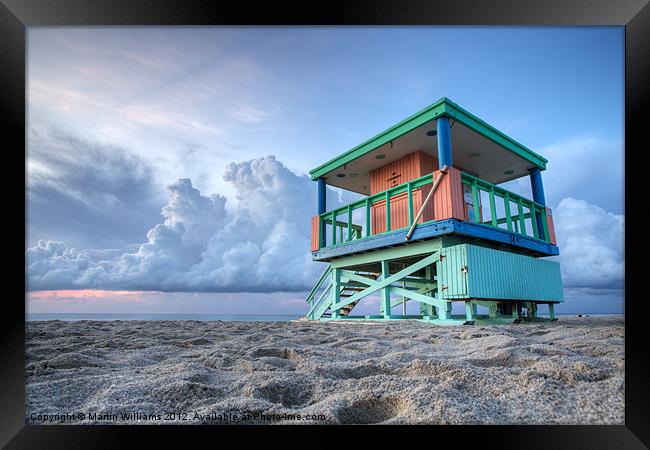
(434, 226)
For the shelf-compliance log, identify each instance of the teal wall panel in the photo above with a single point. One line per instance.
(472, 271)
(453, 284)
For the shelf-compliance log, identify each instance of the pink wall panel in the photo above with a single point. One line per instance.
(551, 228)
(315, 228)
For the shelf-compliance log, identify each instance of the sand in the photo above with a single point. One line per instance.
(191, 372)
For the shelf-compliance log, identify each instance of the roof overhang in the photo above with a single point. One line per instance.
(476, 147)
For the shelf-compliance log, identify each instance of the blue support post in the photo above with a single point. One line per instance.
(444, 142)
(538, 196)
(322, 202)
(537, 186)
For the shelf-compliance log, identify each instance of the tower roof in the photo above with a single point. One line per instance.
(477, 147)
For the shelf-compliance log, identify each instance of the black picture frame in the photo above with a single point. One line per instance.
(634, 15)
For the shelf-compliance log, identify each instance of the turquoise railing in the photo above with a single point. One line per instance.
(345, 230)
(356, 231)
(514, 222)
(316, 304)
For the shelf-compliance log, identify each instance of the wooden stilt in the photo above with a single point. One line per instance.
(468, 310)
(515, 310)
(493, 310)
(385, 292)
(430, 309)
(336, 291)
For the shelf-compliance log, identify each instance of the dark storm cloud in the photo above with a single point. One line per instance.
(89, 195)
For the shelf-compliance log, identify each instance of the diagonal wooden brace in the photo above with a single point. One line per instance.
(419, 297)
(391, 279)
(443, 172)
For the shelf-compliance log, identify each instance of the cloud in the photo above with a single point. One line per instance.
(591, 245)
(589, 167)
(260, 244)
(87, 193)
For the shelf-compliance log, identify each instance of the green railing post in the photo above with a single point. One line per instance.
(547, 237)
(533, 220)
(334, 227)
(367, 217)
(506, 200)
(388, 210)
(493, 207)
(349, 223)
(409, 188)
(475, 198)
(522, 223)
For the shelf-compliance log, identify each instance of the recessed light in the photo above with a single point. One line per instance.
(340, 175)
(475, 154)
(508, 172)
(432, 133)
(380, 156)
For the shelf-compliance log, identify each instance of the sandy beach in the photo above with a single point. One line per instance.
(156, 372)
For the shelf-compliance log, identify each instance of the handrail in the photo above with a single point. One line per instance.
(399, 189)
(515, 222)
(487, 185)
(354, 230)
(443, 172)
(342, 224)
(514, 219)
(318, 284)
(322, 300)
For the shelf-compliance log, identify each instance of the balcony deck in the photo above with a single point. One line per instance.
(523, 227)
(439, 228)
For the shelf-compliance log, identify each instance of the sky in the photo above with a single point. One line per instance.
(167, 167)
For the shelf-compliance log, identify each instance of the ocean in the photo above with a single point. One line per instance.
(32, 317)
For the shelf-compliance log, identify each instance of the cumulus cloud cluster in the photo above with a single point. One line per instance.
(259, 244)
(591, 242)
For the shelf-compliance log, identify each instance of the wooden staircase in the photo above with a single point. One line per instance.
(320, 298)
(349, 291)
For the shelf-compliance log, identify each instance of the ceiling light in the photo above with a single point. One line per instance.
(340, 175)
(432, 133)
(380, 156)
(508, 172)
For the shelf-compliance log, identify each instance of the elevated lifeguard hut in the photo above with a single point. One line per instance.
(434, 226)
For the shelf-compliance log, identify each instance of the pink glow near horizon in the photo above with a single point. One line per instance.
(100, 301)
(86, 293)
